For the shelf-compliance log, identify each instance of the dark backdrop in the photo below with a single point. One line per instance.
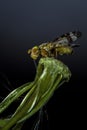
(24, 24)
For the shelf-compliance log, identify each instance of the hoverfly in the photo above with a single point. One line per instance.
(59, 46)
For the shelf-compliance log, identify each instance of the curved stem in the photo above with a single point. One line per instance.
(51, 73)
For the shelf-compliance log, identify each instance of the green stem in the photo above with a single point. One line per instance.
(51, 73)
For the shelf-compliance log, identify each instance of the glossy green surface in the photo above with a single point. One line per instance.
(51, 73)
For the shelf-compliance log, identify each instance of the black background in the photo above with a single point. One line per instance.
(26, 23)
